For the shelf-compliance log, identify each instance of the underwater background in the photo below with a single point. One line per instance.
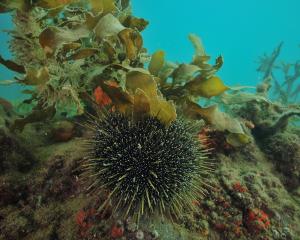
(149, 120)
(240, 31)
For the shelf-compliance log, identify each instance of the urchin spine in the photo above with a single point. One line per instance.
(146, 166)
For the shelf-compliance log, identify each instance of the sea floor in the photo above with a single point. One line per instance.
(255, 191)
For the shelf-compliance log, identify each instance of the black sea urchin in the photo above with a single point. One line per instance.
(145, 166)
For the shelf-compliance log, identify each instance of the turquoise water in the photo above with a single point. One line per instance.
(241, 31)
(105, 149)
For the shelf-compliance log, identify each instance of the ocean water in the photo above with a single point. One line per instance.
(240, 31)
(107, 150)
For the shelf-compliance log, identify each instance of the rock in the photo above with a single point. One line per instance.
(15, 226)
(13, 155)
(7, 106)
(154, 234)
(139, 235)
(284, 151)
(131, 226)
(14, 189)
(63, 131)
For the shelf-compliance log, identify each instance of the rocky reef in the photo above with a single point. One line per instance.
(86, 58)
(254, 193)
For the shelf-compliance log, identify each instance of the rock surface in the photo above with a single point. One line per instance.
(254, 194)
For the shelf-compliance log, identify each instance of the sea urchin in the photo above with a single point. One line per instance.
(145, 166)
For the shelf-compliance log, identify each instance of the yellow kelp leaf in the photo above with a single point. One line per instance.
(48, 40)
(194, 111)
(184, 73)
(121, 100)
(221, 121)
(108, 26)
(83, 53)
(135, 23)
(237, 139)
(210, 87)
(53, 3)
(163, 110)
(103, 6)
(160, 108)
(141, 105)
(143, 81)
(109, 50)
(166, 71)
(91, 20)
(200, 58)
(71, 46)
(7, 82)
(157, 62)
(36, 77)
(219, 63)
(198, 45)
(132, 41)
(9, 5)
(53, 38)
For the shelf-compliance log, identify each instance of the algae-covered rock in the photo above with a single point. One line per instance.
(14, 154)
(15, 226)
(284, 151)
(13, 189)
(63, 131)
(88, 57)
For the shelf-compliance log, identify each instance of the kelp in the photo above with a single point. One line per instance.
(65, 52)
(10, 5)
(38, 114)
(184, 73)
(221, 121)
(108, 26)
(36, 76)
(84, 50)
(210, 87)
(135, 23)
(103, 6)
(157, 62)
(7, 82)
(11, 65)
(196, 79)
(132, 42)
(144, 87)
(53, 38)
(187, 84)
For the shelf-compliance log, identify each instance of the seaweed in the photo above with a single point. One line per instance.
(79, 46)
(78, 56)
(75, 47)
(59, 47)
(286, 85)
(12, 65)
